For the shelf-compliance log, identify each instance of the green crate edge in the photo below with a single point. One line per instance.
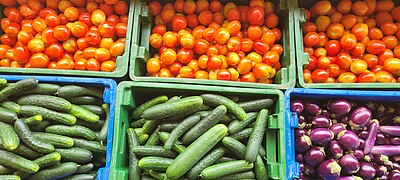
(119, 169)
(139, 53)
(122, 62)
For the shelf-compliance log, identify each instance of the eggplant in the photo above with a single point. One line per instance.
(381, 159)
(372, 132)
(345, 119)
(302, 125)
(299, 158)
(367, 170)
(339, 107)
(310, 171)
(325, 113)
(301, 119)
(394, 165)
(358, 154)
(368, 157)
(394, 175)
(297, 106)
(388, 150)
(380, 170)
(303, 143)
(384, 177)
(321, 121)
(394, 140)
(299, 132)
(312, 108)
(360, 118)
(349, 164)
(362, 144)
(335, 149)
(329, 169)
(363, 134)
(314, 156)
(396, 158)
(390, 130)
(302, 166)
(349, 140)
(337, 128)
(380, 139)
(349, 178)
(321, 135)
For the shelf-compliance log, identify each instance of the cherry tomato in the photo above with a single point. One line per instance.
(98, 17)
(332, 47)
(186, 72)
(93, 65)
(71, 13)
(387, 54)
(185, 55)
(392, 65)
(24, 37)
(201, 74)
(375, 47)
(344, 60)
(153, 65)
(255, 16)
(254, 32)
(54, 51)
(107, 29)
(36, 45)
(371, 60)
(262, 71)
(168, 57)
(249, 77)
(170, 39)
(121, 8)
(209, 33)
(360, 30)
(358, 50)
(7, 40)
(85, 18)
(12, 29)
(156, 40)
(384, 77)
(390, 41)
(27, 11)
(347, 77)
(244, 66)
(5, 63)
(214, 62)
(348, 42)
(358, 66)
(311, 39)
(366, 77)
(79, 29)
(61, 32)
(108, 66)
(187, 41)
(200, 46)
(121, 29)
(333, 70)
(93, 37)
(21, 53)
(39, 60)
(13, 14)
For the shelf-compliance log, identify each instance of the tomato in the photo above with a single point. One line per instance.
(358, 66)
(5, 63)
(360, 30)
(269, 37)
(332, 47)
(271, 58)
(13, 14)
(396, 51)
(93, 37)
(168, 57)
(39, 60)
(262, 71)
(247, 45)
(249, 77)
(311, 39)
(36, 45)
(244, 66)
(117, 49)
(79, 29)
(3, 50)
(358, 50)
(205, 17)
(173, 68)
(121, 29)
(383, 16)
(170, 39)
(235, 44)
(255, 16)
(98, 17)
(209, 34)
(107, 29)
(201, 74)
(347, 77)
(348, 42)
(375, 47)
(212, 50)
(85, 18)
(392, 65)
(61, 32)
(27, 11)
(7, 40)
(71, 13)
(215, 6)
(8, 2)
(70, 45)
(54, 51)
(156, 40)
(200, 46)
(24, 37)
(222, 35)
(224, 74)
(92, 65)
(89, 52)
(121, 8)
(179, 22)
(349, 21)
(333, 70)
(254, 32)
(387, 54)
(335, 31)
(12, 29)
(384, 77)
(366, 77)
(319, 52)
(155, 8)
(167, 15)
(323, 62)
(108, 66)
(344, 60)
(232, 58)
(185, 55)
(21, 53)
(319, 75)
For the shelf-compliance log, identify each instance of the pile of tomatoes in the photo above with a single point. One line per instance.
(354, 42)
(208, 40)
(63, 34)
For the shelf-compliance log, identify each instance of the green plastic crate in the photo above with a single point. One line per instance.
(297, 7)
(121, 63)
(130, 94)
(284, 79)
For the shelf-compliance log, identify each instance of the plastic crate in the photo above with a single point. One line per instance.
(293, 171)
(297, 6)
(109, 95)
(131, 94)
(284, 79)
(122, 62)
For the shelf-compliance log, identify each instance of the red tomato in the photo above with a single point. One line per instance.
(121, 8)
(54, 51)
(366, 77)
(311, 39)
(107, 29)
(214, 62)
(13, 14)
(21, 53)
(12, 29)
(375, 47)
(185, 55)
(93, 37)
(255, 16)
(61, 32)
(121, 29)
(332, 47)
(260, 46)
(333, 70)
(344, 60)
(85, 18)
(348, 42)
(179, 22)
(39, 60)
(93, 65)
(319, 75)
(7, 40)
(244, 66)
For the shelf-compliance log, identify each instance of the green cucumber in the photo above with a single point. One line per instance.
(46, 101)
(72, 131)
(256, 105)
(138, 111)
(78, 155)
(133, 171)
(31, 121)
(162, 111)
(86, 168)
(177, 147)
(80, 177)
(150, 125)
(12, 106)
(168, 126)
(147, 178)
(93, 126)
(104, 129)
(25, 152)
(93, 146)
(43, 162)
(206, 161)
(83, 114)
(26, 136)
(228, 118)
(145, 151)
(138, 123)
(158, 175)
(224, 159)
(155, 163)
(233, 108)
(5, 170)
(3, 83)
(182, 127)
(223, 169)
(256, 136)
(260, 169)
(80, 100)
(193, 153)
(42, 88)
(143, 138)
(9, 177)
(55, 139)
(17, 162)
(56, 172)
(29, 110)
(94, 109)
(153, 139)
(7, 116)
(138, 131)
(173, 98)
(9, 138)
(187, 113)
(236, 125)
(242, 134)
(41, 126)
(241, 175)
(74, 91)
(19, 86)
(206, 123)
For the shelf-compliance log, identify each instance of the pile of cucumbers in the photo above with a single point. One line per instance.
(48, 131)
(198, 137)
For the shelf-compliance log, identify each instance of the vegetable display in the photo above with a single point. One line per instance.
(201, 145)
(42, 137)
(210, 40)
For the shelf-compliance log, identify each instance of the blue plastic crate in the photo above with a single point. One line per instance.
(293, 169)
(109, 96)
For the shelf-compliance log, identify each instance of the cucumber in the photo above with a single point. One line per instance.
(25, 152)
(236, 125)
(93, 126)
(94, 109)
(138, 131)
(242, 134)
(177, 147)
(158, 175)
(233, 108)
(17, 162)
(138, 111)
(46, 101)
(26, 136)
(133, 141)
(205, 124)
(9, 138)
(19, 86)
(41, 126)
(7, 116)
(143, 138)
(162, 111)
(56, 172)
(42, 88)
(73, 131)
(228, 118)
(202, 114)
(86, 168)
(9, 177)
(31, 121)
(29, 110)
(55, 139)
(223, 169)
(155, 163)
(81, 100)
(153, 139)
(138, 123)
(182, 127)
(187, 113)
(93, 146)
(104, 129)
(256, 105)
(74, 91)
(5, 170)
(173, 98)
(42, 162)
(12, 106)
(224, 159)
(256, 136)
(78, 155)
(168, 126)
(147, 178)
(260, 169)
(188, 158)
(83, 114)
(150, 125)
(241, 175)
(206, 161)
(80, 177)
(145, 151)
(3, 83)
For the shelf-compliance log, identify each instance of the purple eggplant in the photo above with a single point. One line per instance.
(349, 140)
(394, 140)
(302, 125)
(339, 107)
(310, 171)
(381, 159)
(396, 158)
(349, 178)
(321, 135)
(390, 130)
(360, 118)
(299, 132)
(297, 106)
(321, 121)
(314, 156)
(370, 141)
(388, 150)
(335, 149)
(384, 177)
(368, 157)
(303, 143)
(301, 119)
(358, 154)
(394, 165)
(344, 119)
(363, 134)
(302, 166)
(349, 164)
(380, 170)
(362, 144)
(394, 175)
(367, 170)
(299, 158)
(337, 128)
(380, 139)
(329, 169)
(312, 108)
